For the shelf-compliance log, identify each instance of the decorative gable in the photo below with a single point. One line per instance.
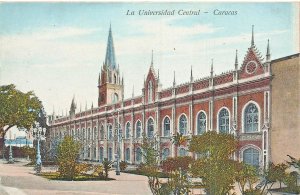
(150, 85)
(252, 64)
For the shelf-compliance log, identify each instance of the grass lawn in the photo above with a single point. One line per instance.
(83, 177)
(137, 172)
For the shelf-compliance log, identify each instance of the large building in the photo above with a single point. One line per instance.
(285, 112)
(236, 102)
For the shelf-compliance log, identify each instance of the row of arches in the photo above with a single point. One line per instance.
(249, 154)
(250, 124)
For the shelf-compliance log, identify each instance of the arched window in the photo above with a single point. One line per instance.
(138, 129)
(110, 132)
(138, 155)
(201, 123)
(89, 152)
(89, 133)
(165, 153)
(110, 154)
(150, 128)
(251, 157)
(224, 121)
(95, 133)
(127, 155)
(95, 153)
(167, 127)
(83, 134)
(182, 152)
(251, 118)
(127, 135)
(150, 91)
(183, 125)
(102, 132)
(101, 154)
(115, 98)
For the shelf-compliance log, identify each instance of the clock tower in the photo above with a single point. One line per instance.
(110, 84)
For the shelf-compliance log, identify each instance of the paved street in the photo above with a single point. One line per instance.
(17, 179)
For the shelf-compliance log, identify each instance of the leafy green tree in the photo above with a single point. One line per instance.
(246, 174)
(277, 173)
(150, 166)
(216, 168)
(177, 169)
(67, 155)
(17, 109)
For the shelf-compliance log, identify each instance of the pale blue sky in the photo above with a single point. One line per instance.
(57, 49)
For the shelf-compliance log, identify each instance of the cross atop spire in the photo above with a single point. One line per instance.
(252, 38)
(110, 59)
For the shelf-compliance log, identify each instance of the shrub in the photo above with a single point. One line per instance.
(123, 165)
(67, 154)
(98, 170)
(106, 166)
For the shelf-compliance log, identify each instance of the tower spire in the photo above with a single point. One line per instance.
(110, 59)
(236, 64)
(268, 55)
(252, 38)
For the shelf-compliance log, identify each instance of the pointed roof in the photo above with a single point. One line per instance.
(110, 58)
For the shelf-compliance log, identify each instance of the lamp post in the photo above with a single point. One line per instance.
(10, 157)
(38, 133)
(118, 146)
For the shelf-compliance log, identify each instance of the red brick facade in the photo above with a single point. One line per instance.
(231, 91)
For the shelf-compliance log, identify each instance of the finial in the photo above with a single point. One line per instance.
(252, 39)
(212, 68)
(80, 107)
(174, 80)
(85, 105)
(132, 91)
(158, 75)
(192, 74)
(268, 56)
(236, 64)
(99, 79)
(92, 105)
(152, 58)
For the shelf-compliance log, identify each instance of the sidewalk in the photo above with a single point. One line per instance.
(17, 179)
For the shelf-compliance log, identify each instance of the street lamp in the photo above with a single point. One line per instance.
(38, 133)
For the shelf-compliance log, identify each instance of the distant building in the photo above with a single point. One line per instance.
(285, 108)
(236, 102)
(19, 141)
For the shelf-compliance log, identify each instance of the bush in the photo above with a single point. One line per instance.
(123, 165)
(98, 171)
(67, 154)
(106, 166)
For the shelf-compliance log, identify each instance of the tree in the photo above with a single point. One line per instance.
(246, 174)
(17, 108)
(177, 169)
(150, 166)
(67, 154)
(215, 167)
